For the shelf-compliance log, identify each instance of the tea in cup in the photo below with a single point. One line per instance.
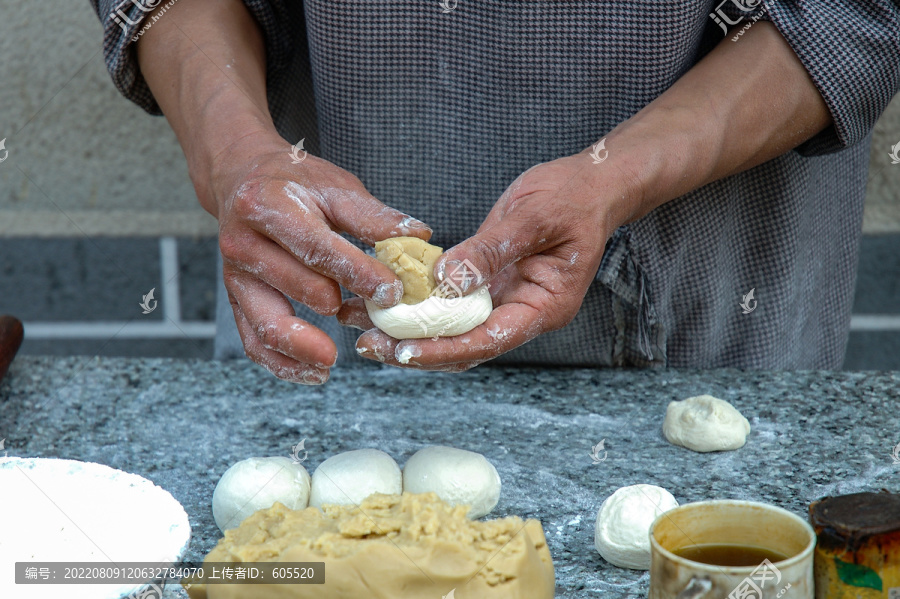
(731, 548)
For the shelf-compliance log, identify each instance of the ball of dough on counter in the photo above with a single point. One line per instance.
(622, 532)
(457, 476)
(705, 423)
(350, 477)
(256, 484)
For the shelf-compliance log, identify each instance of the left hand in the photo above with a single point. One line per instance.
(539, 249)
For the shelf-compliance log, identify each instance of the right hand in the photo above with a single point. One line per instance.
(279, 226)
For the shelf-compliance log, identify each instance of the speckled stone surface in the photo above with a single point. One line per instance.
(182, 423)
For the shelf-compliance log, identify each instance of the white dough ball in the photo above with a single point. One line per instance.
(433, 317)
(256, 484)
(622, 532)
(459, 477)
(350, 477)
(705, 423)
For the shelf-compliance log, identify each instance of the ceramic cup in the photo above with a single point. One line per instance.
(738, 523)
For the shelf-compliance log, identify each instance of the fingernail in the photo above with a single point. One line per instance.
(345, 322)
(409, 222)
(449, 268)
(312, 378)
(370, 353)
(457, 275)
(465, 284)
(333, 362)
(406, 351)
(388, 294)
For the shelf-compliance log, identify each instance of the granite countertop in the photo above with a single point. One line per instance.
(182, 423)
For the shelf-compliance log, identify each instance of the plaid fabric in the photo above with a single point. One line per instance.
(437, 112)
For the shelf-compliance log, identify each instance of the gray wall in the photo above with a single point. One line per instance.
(95, 163)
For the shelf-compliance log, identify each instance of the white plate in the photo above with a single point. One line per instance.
(68, 511)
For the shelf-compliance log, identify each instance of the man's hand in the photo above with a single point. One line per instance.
(278, 222)
(278, 233)
(538, 249)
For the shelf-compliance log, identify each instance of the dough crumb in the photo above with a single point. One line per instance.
(407, 353)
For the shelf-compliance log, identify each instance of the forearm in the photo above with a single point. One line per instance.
(204, 61)
(743, 104)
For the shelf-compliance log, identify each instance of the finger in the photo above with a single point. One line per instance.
(360, 214)
(508, 327)
(378, 346)
(268, 261)
(273, 361)
(480, 258)
(353, 313)
(314, 244)
(273, 323)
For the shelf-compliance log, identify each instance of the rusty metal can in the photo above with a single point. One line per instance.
(858, 551)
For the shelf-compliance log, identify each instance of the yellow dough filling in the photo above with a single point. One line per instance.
(412, 260)
(405, 546)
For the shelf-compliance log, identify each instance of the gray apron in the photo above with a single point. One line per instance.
(437, 108)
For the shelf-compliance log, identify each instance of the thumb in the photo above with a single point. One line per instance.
(483, 256)
(369, 220)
